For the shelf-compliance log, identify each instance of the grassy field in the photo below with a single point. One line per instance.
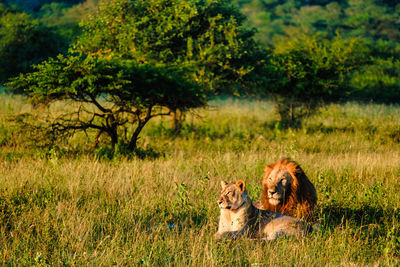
(68, 206)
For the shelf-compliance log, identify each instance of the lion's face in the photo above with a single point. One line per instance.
(232, 195)
(277, 185)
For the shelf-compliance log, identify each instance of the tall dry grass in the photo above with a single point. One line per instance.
(74, 207)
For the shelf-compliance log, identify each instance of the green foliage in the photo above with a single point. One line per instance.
(313, 72)
(61, 18)
(35, 5)
(204, 37)
(65, 18)
(378, 82)
(374, 22)
(369, 19)
(23, 42)
(110, 94)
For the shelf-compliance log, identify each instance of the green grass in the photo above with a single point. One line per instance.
(67, 205)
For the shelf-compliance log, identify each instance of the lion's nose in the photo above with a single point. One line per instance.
(271, 192)
(219, 202)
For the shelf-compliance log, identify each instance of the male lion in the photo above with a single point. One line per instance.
(287, 190)
(240, 218)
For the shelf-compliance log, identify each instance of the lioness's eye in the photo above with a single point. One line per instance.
(228, 193)
(269, 179)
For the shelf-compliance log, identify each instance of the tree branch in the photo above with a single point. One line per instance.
(62, 127)
(162, 114)
(97, 104)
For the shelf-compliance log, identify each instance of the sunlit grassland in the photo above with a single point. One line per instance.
(71, 206)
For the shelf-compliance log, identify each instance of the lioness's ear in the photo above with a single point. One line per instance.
(241, 185)
(223, 184)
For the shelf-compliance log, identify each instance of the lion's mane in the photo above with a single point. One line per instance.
(300, 198)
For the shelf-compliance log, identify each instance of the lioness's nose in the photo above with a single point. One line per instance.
(219, 202)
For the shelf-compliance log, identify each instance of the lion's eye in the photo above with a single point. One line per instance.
(270, 178)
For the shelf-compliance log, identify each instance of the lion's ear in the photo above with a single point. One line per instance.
(241, 185)
(223, 184)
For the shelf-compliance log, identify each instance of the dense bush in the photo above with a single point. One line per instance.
(23, 42)
(313, 73)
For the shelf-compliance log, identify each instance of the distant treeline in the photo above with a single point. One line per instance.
(375, 22)
(32, 31)
(369, 19)
(36, 5)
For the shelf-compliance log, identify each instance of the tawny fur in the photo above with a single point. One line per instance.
(300, 197)
(240, 218)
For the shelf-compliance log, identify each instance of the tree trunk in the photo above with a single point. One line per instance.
(113, 131)
(287, 114)
(141, 123)
(96, 139)
(177, 120)
(135, 136)
(114, 139)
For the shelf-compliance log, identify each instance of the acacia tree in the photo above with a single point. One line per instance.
(310, 73)
(205, 37)
(112, 96)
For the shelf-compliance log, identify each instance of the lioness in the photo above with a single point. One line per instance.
(240, 218)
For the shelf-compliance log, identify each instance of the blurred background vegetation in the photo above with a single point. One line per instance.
(301, 55)
(31, 31)
(375, 22)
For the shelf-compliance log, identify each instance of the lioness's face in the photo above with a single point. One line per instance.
(231, 195)
(277, 185)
